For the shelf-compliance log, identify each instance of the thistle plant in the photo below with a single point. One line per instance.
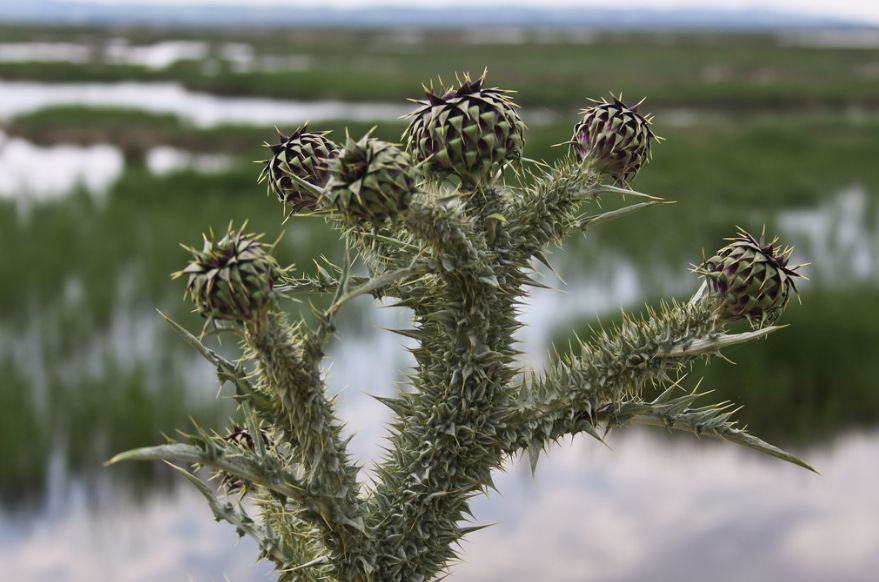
(449, 225)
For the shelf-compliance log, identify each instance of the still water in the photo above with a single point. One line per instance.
(648, 507)
(200, 109)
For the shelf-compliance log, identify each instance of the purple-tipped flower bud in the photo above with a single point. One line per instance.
(615, 138)
(750, 279)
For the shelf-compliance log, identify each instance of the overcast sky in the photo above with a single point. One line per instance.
(866, 11)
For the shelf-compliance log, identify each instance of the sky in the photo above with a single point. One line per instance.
(866, 11)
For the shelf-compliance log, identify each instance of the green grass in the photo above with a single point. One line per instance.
(136, 131)
(731, 72)
(138, 228)
(87, 419)
(722, 171)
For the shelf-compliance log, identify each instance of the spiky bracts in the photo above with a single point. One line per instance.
(305, 155)
(470, 131)
(231, 278)
(614, 138)
(750, 279)
(371, 180)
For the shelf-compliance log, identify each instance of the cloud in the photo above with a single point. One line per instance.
(672, 509)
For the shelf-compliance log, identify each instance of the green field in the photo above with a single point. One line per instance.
(774, 131)
(730, 72)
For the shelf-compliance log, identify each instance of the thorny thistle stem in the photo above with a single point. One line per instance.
(287, 369)
(442, 228)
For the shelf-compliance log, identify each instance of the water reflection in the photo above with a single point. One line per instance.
(166, 160)
(45, 52)
(840, 237)
(669, 509)
(367, 361)
(240, 57)
(164, 537)
(201, 109)
(76, 390)
(32, 174)
(116, 51)
(243, 58)
(160, 55)
(610, 282)
(593, 514)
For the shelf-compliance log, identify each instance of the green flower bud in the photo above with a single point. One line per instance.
(470, 132)
(303, 154)
(371, 180)
(231, 278)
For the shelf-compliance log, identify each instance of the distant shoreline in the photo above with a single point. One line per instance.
(54, 12)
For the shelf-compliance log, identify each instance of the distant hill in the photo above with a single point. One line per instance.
(55, 12)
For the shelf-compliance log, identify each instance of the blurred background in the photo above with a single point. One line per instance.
(127, 127)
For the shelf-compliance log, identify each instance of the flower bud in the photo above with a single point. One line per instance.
(470, 132)
(371, 180)
(750, 279)
(615, 138)
(305, 155)
(231, 278)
